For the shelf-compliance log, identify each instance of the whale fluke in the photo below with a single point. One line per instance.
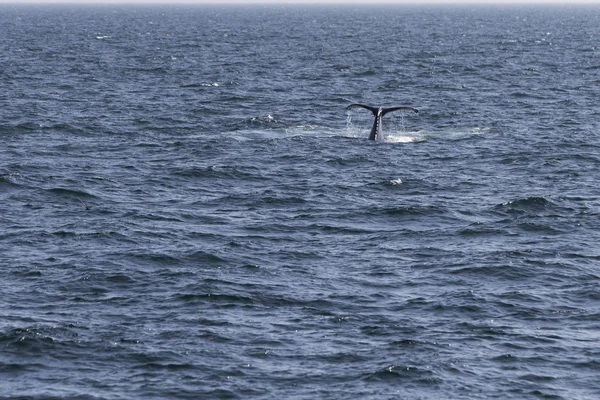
(379, 112)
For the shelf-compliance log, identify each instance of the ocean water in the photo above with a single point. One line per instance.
(188, 211)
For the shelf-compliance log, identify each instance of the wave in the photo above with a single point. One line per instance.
(36, 339)
(222, 172)
(10, 178)
(200, 85)
(63, 192)
(23, 127)
(405, 373)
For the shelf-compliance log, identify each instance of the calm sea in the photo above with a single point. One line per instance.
(188, 211)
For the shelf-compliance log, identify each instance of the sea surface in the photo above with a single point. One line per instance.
(188, 210)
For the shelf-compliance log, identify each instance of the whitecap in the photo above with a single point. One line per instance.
(479, 131)
(402, 139)
(264, 119)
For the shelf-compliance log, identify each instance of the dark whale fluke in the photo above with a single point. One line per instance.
(85, 205)
(379, 112)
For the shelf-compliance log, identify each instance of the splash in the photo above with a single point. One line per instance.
(351, 129)
(402, 124)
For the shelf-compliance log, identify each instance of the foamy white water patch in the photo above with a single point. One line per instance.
(404, 137)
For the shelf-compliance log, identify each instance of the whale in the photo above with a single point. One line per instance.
(379, 112)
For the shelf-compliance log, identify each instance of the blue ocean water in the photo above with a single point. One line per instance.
(189, 211)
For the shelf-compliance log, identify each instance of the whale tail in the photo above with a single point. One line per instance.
(374, 110)
(379, 112)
